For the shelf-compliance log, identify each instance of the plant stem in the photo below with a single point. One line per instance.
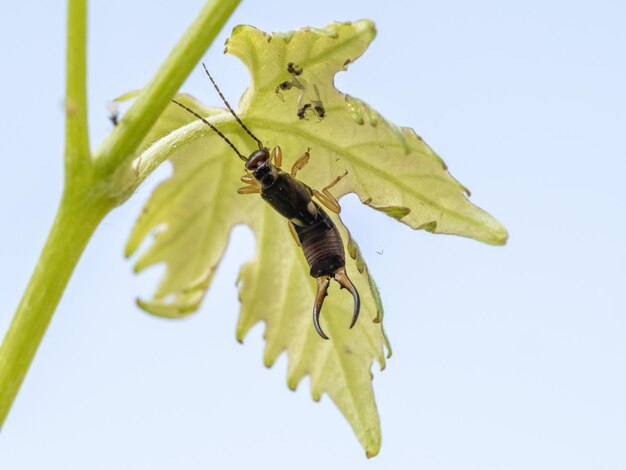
(75, 222)
(77, 151)
(144, 112)
(92, 187)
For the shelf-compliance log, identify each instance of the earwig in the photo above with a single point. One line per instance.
(314, 230)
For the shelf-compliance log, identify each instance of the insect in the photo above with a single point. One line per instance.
(113, 108)
(302, 111)
(295, 71)
(311, 226)
(315, 105)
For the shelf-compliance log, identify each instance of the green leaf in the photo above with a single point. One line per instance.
(391, 169)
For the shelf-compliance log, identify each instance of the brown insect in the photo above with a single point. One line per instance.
(311, 226)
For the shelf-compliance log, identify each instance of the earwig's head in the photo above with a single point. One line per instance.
(260, 163)
(256, 158)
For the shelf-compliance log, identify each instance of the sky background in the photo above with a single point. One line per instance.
(504, 357)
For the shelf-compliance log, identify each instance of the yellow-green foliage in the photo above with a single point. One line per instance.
(191, 214)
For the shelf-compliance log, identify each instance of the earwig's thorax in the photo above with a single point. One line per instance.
(265, 173)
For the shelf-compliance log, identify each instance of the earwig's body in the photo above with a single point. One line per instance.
(322, 245)
(290, 197)
(316, 232)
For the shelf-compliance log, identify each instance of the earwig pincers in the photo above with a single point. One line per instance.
(312, 227)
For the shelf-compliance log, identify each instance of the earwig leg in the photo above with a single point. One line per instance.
(292, 229)
(300, 162)
(342, 278)
(322, 287)
(252, 185)
(248, 179)
(326, 198)
(277, 156)
(249, 190)
(330, 202)
(335, 181)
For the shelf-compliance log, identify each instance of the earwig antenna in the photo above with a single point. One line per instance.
(231, 109)
(212, 127)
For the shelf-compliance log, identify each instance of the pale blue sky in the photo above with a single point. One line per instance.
(504, 358)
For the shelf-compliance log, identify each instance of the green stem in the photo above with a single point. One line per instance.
(77, 152)
(92, 187)
(137, 121)
(76, 220)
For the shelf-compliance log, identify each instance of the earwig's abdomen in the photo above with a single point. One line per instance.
(322, 245)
